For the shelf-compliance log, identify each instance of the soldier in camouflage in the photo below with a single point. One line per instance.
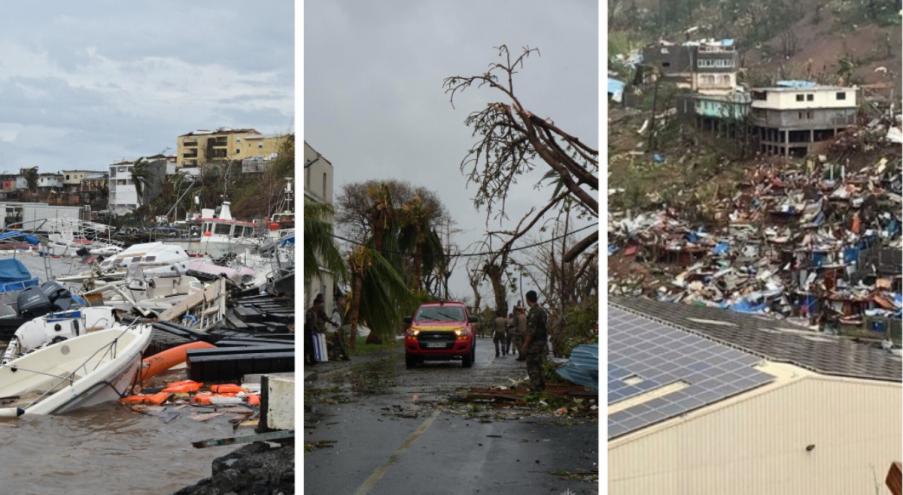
(535, 342)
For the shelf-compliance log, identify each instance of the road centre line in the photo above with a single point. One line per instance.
(377, 475)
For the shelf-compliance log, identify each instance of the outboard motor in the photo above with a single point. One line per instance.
(58, 295)
(33, 302)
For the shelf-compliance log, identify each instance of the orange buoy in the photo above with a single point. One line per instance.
(162, 361)
(153, 399)
(254, 400)
(203, 398)
(183, 387)
(157, 399)
(227, 388)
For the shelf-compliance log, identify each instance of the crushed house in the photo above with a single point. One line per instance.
(792, 118)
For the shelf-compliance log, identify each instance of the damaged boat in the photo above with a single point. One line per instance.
(79, 372)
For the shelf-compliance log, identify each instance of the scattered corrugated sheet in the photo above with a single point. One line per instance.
(583, 366)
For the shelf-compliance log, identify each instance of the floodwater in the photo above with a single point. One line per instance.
(106, 449)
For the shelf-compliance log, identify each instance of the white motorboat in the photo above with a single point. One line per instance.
(83, 371)
(56, 327)
(153, 258)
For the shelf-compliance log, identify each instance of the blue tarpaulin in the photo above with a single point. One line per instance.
(14, 276)
(583, 366)
(721, 248)
(12, 270)
(744, 306)
(12, 234)
(850, 255)
(615, 88)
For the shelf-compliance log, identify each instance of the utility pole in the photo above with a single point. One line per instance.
(652, 120)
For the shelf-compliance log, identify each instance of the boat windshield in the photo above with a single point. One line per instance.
(222, 228)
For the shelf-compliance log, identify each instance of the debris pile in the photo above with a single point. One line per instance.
(813, 240)
(240, 403)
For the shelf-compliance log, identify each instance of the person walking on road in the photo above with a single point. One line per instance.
(519, 330)
(535, 342)
(509, 332)
(499, 332)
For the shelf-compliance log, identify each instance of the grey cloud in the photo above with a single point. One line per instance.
(373, 98)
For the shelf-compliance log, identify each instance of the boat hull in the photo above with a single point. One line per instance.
(78, 372)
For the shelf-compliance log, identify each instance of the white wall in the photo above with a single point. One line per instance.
(822, 98)
(757, 443)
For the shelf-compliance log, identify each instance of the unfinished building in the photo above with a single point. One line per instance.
(793, 118)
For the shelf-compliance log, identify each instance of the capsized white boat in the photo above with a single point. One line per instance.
(78, 372)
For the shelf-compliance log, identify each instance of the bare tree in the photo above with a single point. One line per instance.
(789, 43)
(509, 139)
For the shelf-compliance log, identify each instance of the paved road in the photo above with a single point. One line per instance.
(395, 434)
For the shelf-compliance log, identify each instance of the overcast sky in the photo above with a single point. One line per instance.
(84, 84)
(373, 100)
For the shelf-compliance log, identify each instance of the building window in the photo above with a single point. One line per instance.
(237, 151)
(324, 186)
(841, 95)
(810, 97)
(800, 98)
(800, 115)
(808, 115)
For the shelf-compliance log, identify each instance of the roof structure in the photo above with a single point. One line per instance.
(657, 371)
(772, 339)
(222, 130)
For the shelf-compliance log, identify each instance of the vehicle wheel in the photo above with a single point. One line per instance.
(410, 361)
(467, 360)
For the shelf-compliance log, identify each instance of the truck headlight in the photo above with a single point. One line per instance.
(460, 332)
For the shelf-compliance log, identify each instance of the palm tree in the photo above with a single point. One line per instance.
(320, 252)
(417, 236)
(379, 294)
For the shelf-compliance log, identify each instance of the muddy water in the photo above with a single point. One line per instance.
(106, 449)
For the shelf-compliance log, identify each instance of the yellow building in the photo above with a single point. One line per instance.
(705, 401)
(199, 147)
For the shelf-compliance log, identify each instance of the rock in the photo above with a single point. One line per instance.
(252, 469)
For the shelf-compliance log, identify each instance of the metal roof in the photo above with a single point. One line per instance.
(773, 339)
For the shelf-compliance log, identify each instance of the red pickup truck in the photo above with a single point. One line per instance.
(440, 331)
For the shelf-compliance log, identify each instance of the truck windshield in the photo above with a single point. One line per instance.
(440, 313)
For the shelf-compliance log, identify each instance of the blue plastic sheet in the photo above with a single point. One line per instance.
(850, 255)
(744, 306)
(12, 270)
(583, 366)
(721, 248)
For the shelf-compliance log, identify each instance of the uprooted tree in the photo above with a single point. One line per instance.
(511, 141)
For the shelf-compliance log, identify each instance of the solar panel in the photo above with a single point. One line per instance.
(774, 340)
(658, 355)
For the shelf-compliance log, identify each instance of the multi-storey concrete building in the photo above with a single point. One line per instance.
(202, 146)
(123, 197)
(704, 66)
(792, 118)
(318, 189)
